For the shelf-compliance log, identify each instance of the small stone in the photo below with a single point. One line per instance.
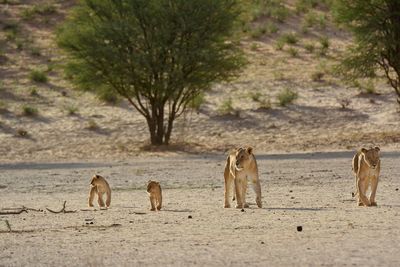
(262, 242)
(397, 189)
(290, 191)
(299, 228)
(190, 217)
(242, 210)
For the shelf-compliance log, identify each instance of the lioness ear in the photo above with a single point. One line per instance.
(377, 148)
(250, 150)
(364, 150)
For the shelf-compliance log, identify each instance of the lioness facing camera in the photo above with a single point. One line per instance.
(241, 166)
(366, 168)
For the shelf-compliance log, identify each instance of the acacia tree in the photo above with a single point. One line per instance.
(375, 25)
(157, 54)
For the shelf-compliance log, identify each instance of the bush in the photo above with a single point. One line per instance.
(29, 111)
(92, 125)
(72, 110)
(255, 96)
(196, 102)
(42, 9)
(324, 41)
(286, 97)
(309, 47)
(293, 51)
(33, 92)
(289, 38)
(226, 107)
(38, 76)
(317, 76)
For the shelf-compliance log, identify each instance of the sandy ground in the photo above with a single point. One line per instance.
(314, 192)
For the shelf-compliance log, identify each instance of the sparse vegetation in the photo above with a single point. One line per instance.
(286, 97)
(274, 9)
(317, 76)
(22, 132)
(196, 102)
(33, 92)
(226, 107)
(255, 96)
(29, 111)
(293, 51)
(41, 9)
(289, 38)
(38, 76)
(309, 47)
(324, 41)
(72, 110)
(92, 125)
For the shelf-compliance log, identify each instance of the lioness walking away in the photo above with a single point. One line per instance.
(366, 168)
(99, 186)
(241, 166)
(155, 195)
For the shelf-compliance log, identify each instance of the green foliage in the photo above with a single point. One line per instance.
(226, 107)
(33, 92)
(42, 9)
(376, 29)
(324, 42)
(286, 97)
(289, 38)
(38, 76)
(197, 101)
(309, 47)
(317, 76)
(92, 125)
(255, 96)
(72, 110)
(293, 51)
(274, 9)
(279, 45)
(29, 111)
(158, 55)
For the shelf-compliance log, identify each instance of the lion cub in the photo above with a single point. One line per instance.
(155, 194)
(366, 168)
(241, 165)
(99, 186)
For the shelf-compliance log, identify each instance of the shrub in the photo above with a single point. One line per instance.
(33, 92)
(279, 45)
(255, 96)
(289, 38)
(226, 107)
(309, 47)
(286, 97)
(265, 103)
(29, 111)
(92, 125)
(196, 102)
(324, 41)
(72, 110)
(38, 76)
(293, 52)
(317, 76)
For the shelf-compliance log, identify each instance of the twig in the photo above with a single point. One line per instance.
(63, 210)
(13, 212)
(8, 225)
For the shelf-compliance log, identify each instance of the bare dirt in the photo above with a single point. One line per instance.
(308, 190)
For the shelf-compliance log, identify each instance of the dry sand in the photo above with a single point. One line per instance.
(308, 190)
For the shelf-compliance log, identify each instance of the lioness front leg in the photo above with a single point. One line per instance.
(153, 203)
(374, 186)
(92, 194)
(239, 193)
(257, 190)
(361, 186)
(227, 190)
(100, 199)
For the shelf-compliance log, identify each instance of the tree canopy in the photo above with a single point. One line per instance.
(157, 54)
(375, 25)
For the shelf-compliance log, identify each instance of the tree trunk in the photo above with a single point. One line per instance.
(156, 125)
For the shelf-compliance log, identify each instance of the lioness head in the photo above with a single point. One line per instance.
(152, 185)
(95, 179)
(371, 156)
(243, 157)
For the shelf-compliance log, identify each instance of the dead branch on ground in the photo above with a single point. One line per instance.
(62, 210)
